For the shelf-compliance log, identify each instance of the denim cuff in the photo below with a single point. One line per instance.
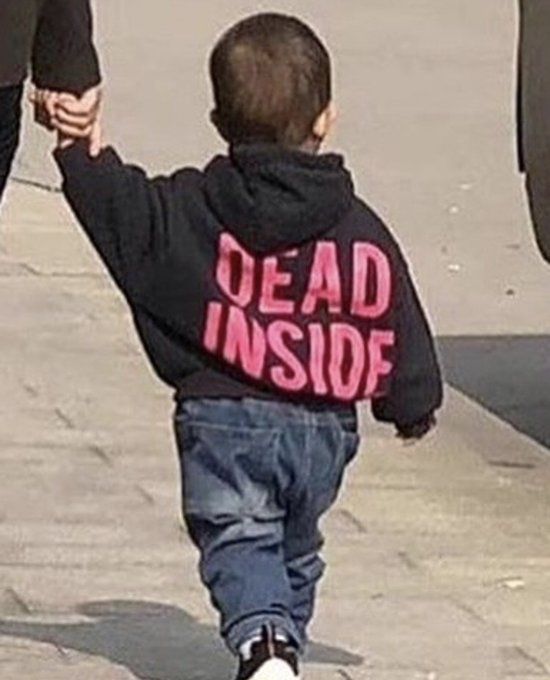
(252, 626)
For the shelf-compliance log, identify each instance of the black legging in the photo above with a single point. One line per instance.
(534, 114)
(538, 192)
(10, 126)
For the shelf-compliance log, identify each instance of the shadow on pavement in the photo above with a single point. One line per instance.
(151, 640)
(508, 375)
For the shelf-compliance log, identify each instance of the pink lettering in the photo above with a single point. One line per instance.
(274, 278)
(324, 282)
(347, 357)
(244, 346)
(378, 366)
(317, 358)
(213, 322)
(292, 376)
(235, 271)
(368, 258)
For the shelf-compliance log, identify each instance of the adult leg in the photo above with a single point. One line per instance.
(534, 114)
(538, 191)
(10, 124)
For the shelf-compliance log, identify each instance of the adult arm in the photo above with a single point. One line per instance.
(64, 57)
(18, 19)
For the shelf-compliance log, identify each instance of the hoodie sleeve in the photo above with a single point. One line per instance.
(123, 212)
(64, 57)
(416, 391)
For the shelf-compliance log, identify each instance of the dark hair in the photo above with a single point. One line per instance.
(272, 79)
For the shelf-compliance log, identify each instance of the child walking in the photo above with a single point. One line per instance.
(272, 300)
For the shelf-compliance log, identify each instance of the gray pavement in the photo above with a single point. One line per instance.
(440, 554)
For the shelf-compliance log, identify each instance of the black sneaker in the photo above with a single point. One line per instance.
(270, 659)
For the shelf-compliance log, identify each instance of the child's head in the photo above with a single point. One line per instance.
(272, 83)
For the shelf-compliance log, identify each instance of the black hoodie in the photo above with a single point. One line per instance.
(263, 275)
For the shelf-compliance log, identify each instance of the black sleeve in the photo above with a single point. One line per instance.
(416, 390)
(64, 57)
(123, 212)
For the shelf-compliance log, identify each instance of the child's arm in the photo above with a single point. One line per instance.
(123, 212)
(417, 387)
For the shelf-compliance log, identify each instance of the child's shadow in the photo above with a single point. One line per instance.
(151, 640)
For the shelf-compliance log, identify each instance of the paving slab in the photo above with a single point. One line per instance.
(47, 662)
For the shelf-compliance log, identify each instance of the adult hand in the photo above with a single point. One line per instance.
(73, 117)
(79, 118)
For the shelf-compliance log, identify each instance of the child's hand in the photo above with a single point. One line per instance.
(44, 103)
(417, 431)
(94, 139)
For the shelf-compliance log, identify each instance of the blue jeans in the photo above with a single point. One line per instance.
(257, 477)
(10, 124)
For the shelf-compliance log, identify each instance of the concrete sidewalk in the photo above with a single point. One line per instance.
(439, 555)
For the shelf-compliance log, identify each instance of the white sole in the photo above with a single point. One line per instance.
(274, 669)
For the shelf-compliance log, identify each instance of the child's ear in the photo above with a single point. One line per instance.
(325, 122)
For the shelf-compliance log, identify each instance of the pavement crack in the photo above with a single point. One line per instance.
(18, 601)
(513, 655)
(64, 418)
(512, 465)
(100, 453)
(344, 674)
(408, 561)
(145, 495)
(43, 186)
(351, 519)
(29, 269)
(469, 611)
(30, 390)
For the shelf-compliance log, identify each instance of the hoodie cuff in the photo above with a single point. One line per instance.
(77, 156)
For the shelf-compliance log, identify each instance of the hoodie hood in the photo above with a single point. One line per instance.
(275, 199)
